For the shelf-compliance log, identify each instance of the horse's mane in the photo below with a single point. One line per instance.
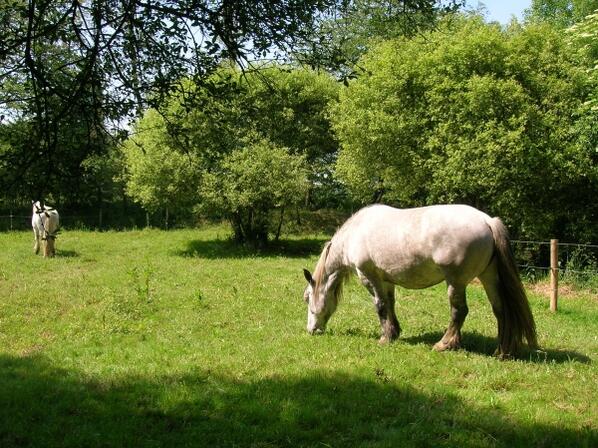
(320, 274)
(320, 270)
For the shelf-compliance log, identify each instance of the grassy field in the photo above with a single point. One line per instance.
(151, 338)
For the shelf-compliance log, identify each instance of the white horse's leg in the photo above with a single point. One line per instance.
(452, 338)
(36, 238)
(49, 250)
(383, 296)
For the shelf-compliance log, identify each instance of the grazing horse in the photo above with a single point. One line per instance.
(417, 248)
(45, 222)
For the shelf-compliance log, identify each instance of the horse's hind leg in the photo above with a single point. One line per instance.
(386, 312)
(452, 337)
(49, 250)
(489, 279)
(383, 295)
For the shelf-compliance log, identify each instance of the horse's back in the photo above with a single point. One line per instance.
(53, 218)
(422, 246)
(50, 220)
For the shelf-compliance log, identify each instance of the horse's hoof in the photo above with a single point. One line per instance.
(441, 346)
(386, 339)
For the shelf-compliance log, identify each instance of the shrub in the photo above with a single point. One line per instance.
(250, 184)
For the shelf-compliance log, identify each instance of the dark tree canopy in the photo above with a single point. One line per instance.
(340, 40)
(71, 68)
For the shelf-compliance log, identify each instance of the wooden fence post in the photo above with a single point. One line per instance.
(554, 274)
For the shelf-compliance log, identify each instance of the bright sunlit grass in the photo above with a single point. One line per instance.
(153, 338)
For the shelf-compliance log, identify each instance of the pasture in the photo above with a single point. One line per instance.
(151, 338)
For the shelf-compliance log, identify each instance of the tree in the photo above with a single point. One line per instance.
(284, 105)
(38, 70)
(28, 173)
(100, 63)
(225, 132)
(158, 176)
(561, 13)
(342, 39)
(477, 114)
(252, 183)
(584, 39)
(93, 66)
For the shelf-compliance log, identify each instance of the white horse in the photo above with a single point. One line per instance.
(45, 223)
(417, 248)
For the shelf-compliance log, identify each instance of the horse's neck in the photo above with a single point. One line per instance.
(335, 261)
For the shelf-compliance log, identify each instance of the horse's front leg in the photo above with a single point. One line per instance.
(36, 242)
(383, 295)
(452, 337)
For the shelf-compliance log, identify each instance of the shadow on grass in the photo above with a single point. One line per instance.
(355, 332)
(43, 405)
(66, 254)
(477, 343)
(213, 249)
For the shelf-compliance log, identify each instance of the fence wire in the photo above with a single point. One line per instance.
(104, 221)
(574, 258)
(547, 243)
(531, 257)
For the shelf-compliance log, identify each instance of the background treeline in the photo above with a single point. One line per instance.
(407, 103)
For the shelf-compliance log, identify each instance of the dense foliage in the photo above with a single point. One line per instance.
(477, 114)
(434, 107)
(73, 71)
(340, 40)
(250, 184)
(241, 152)
(560, 13)
(157, 176)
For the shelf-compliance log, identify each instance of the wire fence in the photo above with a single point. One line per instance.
(13, 222)
(532, 256)
(573, 258)
(574, 263)
(98, 220)
(16, 222)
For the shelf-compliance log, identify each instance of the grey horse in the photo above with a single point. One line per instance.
(417, 248)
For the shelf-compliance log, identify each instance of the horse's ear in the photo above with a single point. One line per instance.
(308, 277)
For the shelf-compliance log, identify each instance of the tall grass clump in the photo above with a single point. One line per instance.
(581, 270)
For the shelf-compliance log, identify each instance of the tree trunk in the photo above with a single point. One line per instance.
(280, 224)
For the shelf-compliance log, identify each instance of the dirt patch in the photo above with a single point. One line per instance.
(543, 288)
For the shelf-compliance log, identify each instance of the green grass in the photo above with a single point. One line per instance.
(152, 338)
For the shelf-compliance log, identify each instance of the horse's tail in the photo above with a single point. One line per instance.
(516, 319)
